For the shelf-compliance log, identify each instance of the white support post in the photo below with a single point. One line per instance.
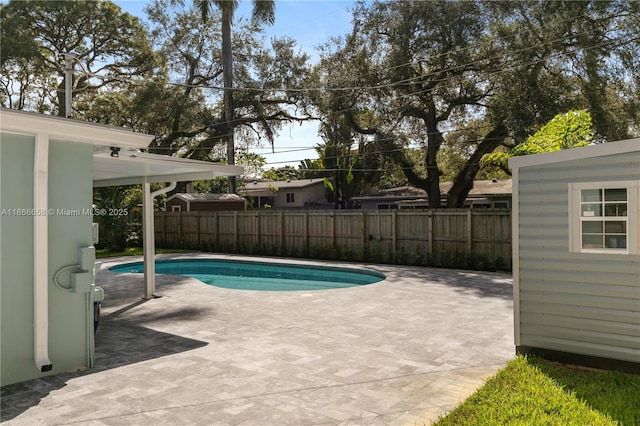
(148, 243)
(149, 235)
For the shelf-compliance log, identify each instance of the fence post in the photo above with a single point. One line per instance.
(363, 228)
(198, 239)
(333, 230)
(281, 236)
(235, 229)
(164, 228)
(394, 231)
(216, 228)
(430, 235)
(180, 216)
(258, 227)
(306, 229)
(469, 233)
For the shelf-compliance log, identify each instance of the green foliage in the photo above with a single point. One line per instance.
(472, 76)
(564, 131)
(375, 252)
(311, 169)
(214, 186)
(497, 160)
(536, 392)
(281, 174)
(108, 43)
(252, 163)
(117, 230)
(329, 185)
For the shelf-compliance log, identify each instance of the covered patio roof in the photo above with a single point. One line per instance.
(141, 168)
(133, 168)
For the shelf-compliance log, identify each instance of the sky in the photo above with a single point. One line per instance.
(309, 22)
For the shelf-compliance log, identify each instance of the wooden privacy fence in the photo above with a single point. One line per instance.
(485, 233)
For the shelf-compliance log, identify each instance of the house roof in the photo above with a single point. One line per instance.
(283, 184)
(599, 150)
(67, 129)
(481, 189)
(207, 197)
(131, 168)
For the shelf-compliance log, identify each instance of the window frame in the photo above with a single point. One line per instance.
(290, 197)
(632, 219)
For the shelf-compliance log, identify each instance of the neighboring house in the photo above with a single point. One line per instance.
(48, 168)
(287, 194)
(204, 203)
(576, 255)
(484, 194)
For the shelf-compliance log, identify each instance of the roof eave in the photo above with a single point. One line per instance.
(133, 168)
(66, 129)
(610, 148)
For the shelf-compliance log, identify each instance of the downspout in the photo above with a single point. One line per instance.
(41, 254)
(149, 236)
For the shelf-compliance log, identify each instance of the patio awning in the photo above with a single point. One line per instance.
(132, 168)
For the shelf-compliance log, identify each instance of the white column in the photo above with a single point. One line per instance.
(148, 242)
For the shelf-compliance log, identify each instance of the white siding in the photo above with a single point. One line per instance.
(582, 303)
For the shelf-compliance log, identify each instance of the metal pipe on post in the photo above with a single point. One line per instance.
(70, 59)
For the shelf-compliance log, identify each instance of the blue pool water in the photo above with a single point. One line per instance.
(259, 275)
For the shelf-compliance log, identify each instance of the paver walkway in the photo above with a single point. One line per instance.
(399, 352)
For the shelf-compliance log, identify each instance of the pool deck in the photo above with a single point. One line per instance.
(399, 352)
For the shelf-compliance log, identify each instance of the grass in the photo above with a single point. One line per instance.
(135, 251)
(531, 391)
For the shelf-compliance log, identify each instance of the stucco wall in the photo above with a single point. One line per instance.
(313, 194)
(70, 197)
(16, 259)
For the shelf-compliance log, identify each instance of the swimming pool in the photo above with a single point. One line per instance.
(244, 275)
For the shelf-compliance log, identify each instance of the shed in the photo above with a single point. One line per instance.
(204, 203)
(576, 255)
(48, 168)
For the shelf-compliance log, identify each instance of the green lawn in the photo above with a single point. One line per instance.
(531, 391)
(135, 251)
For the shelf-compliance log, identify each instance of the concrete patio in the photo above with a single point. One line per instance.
(399, 352)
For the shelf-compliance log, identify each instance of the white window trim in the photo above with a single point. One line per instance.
(176, 208)
(633, 216)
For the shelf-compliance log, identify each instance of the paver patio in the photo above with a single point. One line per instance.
(398, 352)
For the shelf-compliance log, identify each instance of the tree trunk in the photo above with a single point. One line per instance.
(227, 72)
(463, 183)
(433, 173)
(434, 142)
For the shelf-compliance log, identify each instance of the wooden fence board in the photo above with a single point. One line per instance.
(485, 233)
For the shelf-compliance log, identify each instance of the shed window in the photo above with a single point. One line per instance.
(290, 197)
(175, 208)
(603, 219)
